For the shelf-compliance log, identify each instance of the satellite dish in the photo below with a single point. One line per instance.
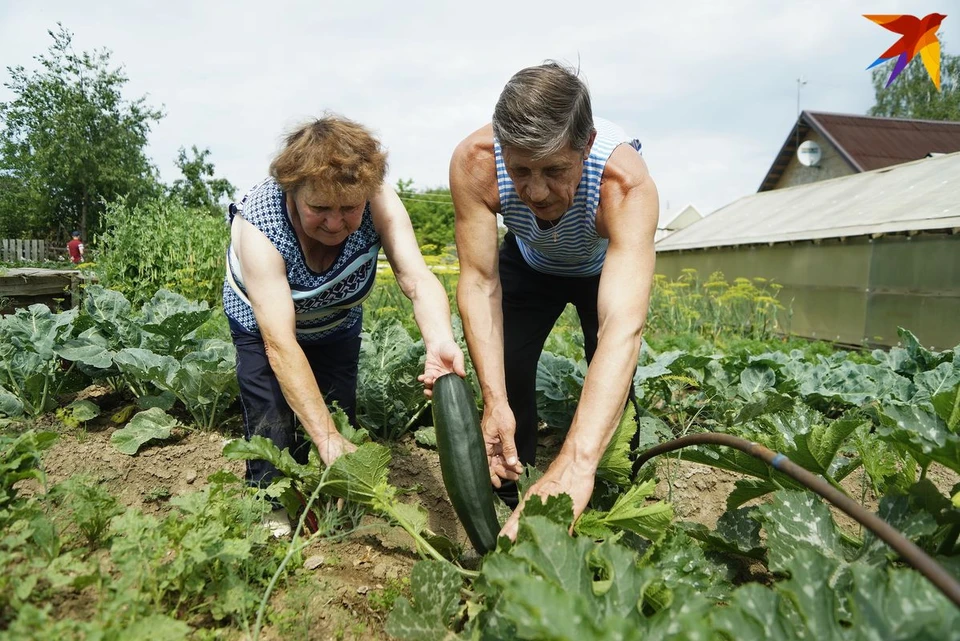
(808, 153)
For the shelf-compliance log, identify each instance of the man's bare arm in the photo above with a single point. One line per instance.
(630, 212)
(473, 187)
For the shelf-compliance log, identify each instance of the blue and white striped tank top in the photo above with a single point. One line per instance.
(327, 304)
(572, 247)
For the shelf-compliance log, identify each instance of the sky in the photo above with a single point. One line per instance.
(709, 88)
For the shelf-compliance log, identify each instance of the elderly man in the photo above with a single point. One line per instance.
(581, 211)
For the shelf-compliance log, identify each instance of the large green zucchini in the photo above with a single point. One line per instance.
(463, 460)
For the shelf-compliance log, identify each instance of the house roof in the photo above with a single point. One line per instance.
(678, 219)
(866, 142)
(915, 196)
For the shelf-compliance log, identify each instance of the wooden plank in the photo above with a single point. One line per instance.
(34, 286)
(24, 283)
(28, 272)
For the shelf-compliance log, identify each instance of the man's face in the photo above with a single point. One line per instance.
(546, 185)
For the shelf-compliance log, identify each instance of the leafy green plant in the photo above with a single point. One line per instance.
(32, 562)
(549, 585)
(210, 553)
(383, 600)
(169, 321)
(77, 413)
(157, 495)
(31, 369)
(19, 460)
(155, 353)
(389, 397)
(426, 437)
(161, 244)
(559, 383)
(148, 425)
(359, 477)
(204, 381)
(687, 305)
(91, 507)
(106, 324)
(631, 513)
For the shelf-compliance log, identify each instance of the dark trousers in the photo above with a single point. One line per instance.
(265, 410)
(532, 303)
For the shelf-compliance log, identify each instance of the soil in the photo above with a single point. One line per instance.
(340, 591)
(337, 594)
(699, 492)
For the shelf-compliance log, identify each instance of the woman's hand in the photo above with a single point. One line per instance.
(332, 446)
(443, 358)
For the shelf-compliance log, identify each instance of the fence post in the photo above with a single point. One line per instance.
(27, 249)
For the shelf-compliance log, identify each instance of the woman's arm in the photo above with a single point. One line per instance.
(431, 309)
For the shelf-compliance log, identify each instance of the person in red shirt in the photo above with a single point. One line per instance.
(75, 247)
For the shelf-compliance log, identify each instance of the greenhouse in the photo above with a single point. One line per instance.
(857, 256)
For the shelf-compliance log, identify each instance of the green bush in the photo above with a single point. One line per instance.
(161, 244)
(747, 308)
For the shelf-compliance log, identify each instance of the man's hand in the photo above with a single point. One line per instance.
(561, 478)
(498, 426)
(444, 358)
(332, 446)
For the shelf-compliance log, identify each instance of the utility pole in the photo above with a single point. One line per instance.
(800, 83)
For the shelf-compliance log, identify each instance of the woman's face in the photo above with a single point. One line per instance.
(327, 222)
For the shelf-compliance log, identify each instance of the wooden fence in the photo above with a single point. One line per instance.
(16, 249)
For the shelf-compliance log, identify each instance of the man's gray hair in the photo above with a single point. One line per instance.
(544, 109)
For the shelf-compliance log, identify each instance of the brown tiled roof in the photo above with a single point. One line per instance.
(867, 143)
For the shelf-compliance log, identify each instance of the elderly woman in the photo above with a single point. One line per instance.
(302, 259)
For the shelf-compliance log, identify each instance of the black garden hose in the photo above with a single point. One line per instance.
(910, 553)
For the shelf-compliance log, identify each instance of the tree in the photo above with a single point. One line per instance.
(199, 188)
(913, 94)
(431, 212)
(69, 142)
